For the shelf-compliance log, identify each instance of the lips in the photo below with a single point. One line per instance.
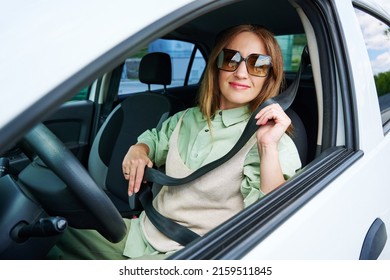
(238, 85)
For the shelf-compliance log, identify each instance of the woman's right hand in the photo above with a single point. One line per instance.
(133, 166)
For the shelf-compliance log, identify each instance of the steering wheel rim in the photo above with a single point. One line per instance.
(68, 168)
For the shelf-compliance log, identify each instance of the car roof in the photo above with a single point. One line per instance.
(207, 26)
(44, 43)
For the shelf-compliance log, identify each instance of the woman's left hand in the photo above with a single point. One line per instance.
(273, 122)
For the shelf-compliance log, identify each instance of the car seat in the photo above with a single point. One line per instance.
(137, 113)
(299, 135)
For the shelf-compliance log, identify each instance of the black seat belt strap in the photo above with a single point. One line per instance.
(176, 231)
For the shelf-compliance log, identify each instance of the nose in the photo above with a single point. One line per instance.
(241, 71)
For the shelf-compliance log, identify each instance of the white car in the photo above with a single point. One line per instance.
(73, 66)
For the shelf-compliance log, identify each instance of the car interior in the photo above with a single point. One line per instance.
(70, 165)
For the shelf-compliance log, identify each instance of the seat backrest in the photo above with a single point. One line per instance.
(299, 135)
(130, 118)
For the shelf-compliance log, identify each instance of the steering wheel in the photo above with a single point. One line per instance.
(68, 168)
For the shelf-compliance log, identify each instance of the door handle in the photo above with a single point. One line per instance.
(375, 241)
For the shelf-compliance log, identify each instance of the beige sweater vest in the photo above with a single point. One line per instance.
(202, 204)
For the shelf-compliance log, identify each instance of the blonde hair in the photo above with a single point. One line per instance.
(209, 97)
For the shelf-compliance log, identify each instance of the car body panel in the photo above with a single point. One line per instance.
(332, 225)
(367, 106)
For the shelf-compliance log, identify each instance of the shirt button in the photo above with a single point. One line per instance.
(220, 113)
(206, 130)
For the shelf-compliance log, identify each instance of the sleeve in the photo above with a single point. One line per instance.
(289, 161)
(158, 140)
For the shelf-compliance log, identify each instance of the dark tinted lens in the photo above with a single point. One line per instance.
(228, 60)
(258, 65)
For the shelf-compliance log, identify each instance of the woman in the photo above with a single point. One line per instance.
(229, 93)
(245, 68)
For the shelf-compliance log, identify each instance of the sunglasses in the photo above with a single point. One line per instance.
(256, 64)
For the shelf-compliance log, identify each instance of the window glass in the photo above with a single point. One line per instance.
(292, 47)
(181, 54)
(377, 37)
(197, 69)
(81, 95)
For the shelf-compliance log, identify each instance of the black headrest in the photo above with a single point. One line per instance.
(156, 68)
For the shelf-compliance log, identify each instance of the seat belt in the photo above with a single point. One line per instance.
(170, 228)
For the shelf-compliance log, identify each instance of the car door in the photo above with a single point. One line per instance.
(71, 123)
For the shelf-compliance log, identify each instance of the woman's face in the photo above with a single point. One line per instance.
(238, 88)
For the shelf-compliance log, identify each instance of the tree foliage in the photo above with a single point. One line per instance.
(382, 82)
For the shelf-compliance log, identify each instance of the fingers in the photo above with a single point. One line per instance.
(275, 113)
(135, 174)
(133, 168)
(273, 123)
(135, 177)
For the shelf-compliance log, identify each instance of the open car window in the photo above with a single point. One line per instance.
(376, 34)
(292, 46)
(187, 61)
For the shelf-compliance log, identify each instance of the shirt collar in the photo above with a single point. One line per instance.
(233, 116)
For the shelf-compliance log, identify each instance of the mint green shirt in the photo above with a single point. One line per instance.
(199, 144)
